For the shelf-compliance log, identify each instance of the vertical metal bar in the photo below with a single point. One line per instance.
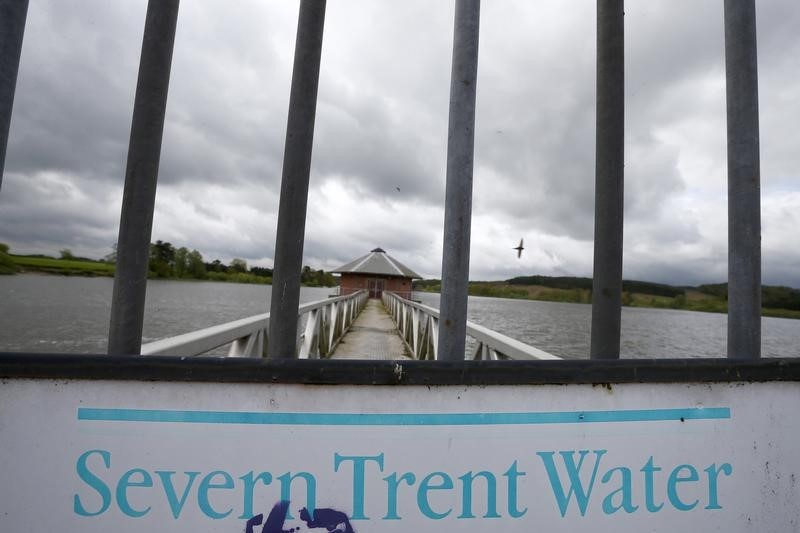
(458, 195)
(609, 180)
(744, 181)
(294, 182)
(141, 175)
(13, 14)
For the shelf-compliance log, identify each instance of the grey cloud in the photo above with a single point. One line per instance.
(651, 176)
(780, 268)
(699, 271)
(72, 107)
(382, 124)
(377, 153)
(47, 213)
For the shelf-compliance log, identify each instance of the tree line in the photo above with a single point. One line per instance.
(165, 262)
(712, 297)
(571, 282)
(169, 262)
(771, 296)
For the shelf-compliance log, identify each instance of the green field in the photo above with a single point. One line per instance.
(65, 267)
(77, 267)
(574, 290)
(706, 298)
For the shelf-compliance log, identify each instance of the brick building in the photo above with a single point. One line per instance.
(376, 272)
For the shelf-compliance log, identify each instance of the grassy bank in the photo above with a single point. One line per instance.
(88, 268)
(165, 262)
(688, 299)
(7, 265)
(76, 267)
(64, 267)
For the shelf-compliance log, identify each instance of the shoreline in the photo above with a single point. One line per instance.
(630, 300)
(704, 304)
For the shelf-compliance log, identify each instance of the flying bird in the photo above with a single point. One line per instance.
(519, 249)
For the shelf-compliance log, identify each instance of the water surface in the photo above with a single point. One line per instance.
(43, 313)
(40, 313)
(563, 329)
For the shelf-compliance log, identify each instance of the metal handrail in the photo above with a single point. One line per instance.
(327, 322)
(418, 325)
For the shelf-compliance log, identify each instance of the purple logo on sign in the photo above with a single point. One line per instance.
(331, 520)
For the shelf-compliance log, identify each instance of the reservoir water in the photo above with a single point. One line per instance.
(41, 313)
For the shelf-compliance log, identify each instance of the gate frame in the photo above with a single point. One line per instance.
(363, 372)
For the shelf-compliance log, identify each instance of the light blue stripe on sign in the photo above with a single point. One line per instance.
(401, 419)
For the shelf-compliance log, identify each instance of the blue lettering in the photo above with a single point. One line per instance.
(491, 495)
(512, 474)
(713, 472)
(207, 484)
(576, 487)
(422, 494)
(649, 498)
(176, 505)
(392, 483)
(94, 482)
(625, 490)
(358, 479)
(311, 489)
(249, 486)
(122, 491)
(672, 488)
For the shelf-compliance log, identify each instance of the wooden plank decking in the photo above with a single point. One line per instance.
(372, 336)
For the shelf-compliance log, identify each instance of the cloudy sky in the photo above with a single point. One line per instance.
(378, 168)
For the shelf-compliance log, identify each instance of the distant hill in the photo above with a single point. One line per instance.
(566, 282)
(776, 301)
(772, 297)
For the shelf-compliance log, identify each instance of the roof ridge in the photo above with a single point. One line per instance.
(394, 265)
(366, 258)
(377, 263)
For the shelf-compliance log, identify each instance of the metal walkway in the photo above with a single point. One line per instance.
(372, 336)
(353, 327)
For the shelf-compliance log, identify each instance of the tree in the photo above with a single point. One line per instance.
(238, 265)
(306, 275)
(164, 252)
(66, 253)
(679, 302)
(162, 259)
(262, 272)
(7, 265)
(316, 278)
(195, 265)
(216, 266)
(181, 262)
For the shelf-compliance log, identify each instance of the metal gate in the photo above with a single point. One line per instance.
(376, 287)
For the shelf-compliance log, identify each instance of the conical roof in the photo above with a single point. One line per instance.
(377, 262)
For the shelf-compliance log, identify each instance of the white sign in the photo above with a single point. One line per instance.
(203, 457)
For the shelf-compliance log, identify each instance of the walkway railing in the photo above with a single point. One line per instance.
(325, 324)
(419, 327)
